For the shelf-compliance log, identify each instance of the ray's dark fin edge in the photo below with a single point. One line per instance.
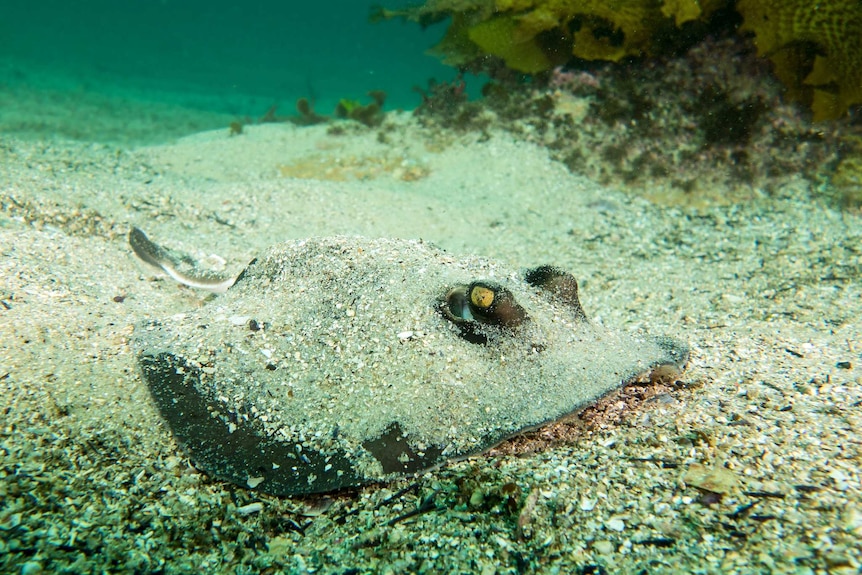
(238, 452)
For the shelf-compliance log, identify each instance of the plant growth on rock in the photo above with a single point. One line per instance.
(815, 47)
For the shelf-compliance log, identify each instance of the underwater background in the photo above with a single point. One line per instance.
(696, 165)
(213, 57)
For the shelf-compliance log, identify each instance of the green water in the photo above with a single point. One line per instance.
(141, 70)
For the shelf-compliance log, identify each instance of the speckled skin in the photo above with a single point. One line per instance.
(328, 364)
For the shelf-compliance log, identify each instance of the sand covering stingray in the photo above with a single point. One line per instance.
(333, 362)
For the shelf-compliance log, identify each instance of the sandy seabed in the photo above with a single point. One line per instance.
(750, 464)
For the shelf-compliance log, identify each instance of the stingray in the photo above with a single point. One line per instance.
(336, 362)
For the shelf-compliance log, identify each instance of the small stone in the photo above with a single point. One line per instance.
(716, 479)
(477, 498)
(836, 559)
(603, 547)
(251, 508)
(615, 524)
(281, 545)
(852, 520)
(396, 536)
(841, 479)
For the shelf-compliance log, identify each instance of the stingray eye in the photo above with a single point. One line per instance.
(481, 303)
(481, 297)
(494, 305)
(455, 306)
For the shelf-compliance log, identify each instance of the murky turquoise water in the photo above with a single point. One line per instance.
(234, 58)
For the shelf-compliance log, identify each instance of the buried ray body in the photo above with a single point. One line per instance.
(335, 362)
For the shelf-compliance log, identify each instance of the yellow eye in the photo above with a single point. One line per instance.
(482, 297)
(493, 304)
(481, 303)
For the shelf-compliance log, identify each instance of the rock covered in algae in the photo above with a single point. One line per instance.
(815, 47)
(343, 361)
(535, 35)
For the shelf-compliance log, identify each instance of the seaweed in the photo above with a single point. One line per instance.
(306, 114)
(535, 35)
(815, 47)
(370, 114)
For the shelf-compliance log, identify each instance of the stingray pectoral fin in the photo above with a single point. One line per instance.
(179, 267)
(677, 352)
(670, 365)
(398, 455)
(232, 448)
